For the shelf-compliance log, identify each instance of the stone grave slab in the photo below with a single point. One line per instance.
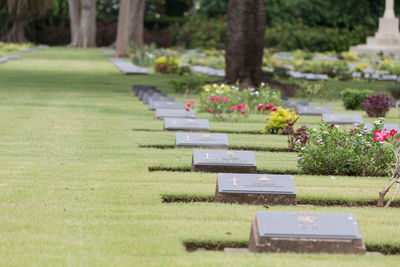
(306, 233)
(294, 104)
(342, 118)
(201, 140)
(127, 67)
(3, 59)
(137, 88)
(189, 125)
(395, 102)
(255, 189)
(161, 113)
(146, 97)
(223, 161)
(143, 93)
(153, 105)
(312, 110)
(14, 57)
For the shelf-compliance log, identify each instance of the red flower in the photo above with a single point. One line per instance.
(187, 108)
(381, 135)
(225, 99)
(260, 107)
(189, 104)
(274, 109)
(241, 106)
(393, 132)
(233, 108)
(212, 98)
(218, 98)
(243, 111)
(268, 107)
(192, 102)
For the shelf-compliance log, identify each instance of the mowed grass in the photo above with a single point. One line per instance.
(75, 187)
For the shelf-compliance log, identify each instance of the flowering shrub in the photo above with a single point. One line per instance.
(223, 109)
(221, 98)
(353, 98)
(278, 119)
(190, 105)
(334, 152)
(166, 65)
(377, 105)
(392, 137)
(300, 136)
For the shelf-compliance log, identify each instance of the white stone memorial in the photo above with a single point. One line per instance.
(387, 39)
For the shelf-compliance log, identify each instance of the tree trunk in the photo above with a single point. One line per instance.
(88, 23)
(126, 8)
(74, 7)
(245, 42)
(137, 21)
(17, 32)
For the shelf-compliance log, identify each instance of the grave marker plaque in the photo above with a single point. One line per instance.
(224, 161)
(255, 189)
(166, 105)
(190, 125)
(160, 114)
(294, 104)
(305, 233)
(156, 97)
(312, 110)
(201, 140)
(137, 88)
(342, 118)
(146, 95)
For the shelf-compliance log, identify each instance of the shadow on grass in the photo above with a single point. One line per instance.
(188, 169)
(245, 148)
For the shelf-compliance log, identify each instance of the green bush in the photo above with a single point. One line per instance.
(331, 151)
(189, 82)
(200, 33)
(352, 98)
(288, 37)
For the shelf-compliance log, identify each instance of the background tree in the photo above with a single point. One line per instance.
(82, 23)
(245, 41)
(19, 14)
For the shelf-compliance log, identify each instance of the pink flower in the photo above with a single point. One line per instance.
(187, 108)
(381, 135)
(212, 98)
(225, 99)
(233, 108)
(192, 102)
(243, 111)
(273, 109)
(393, 132)
(189, 104)
(260, 107)
(218, 98)
(241, 106)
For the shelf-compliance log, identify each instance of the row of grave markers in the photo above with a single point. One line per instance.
(238, 182)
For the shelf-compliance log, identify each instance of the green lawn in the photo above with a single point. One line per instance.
(75, 188)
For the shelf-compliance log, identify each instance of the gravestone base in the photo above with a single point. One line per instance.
(255, 198)
(187, 130)
(302, 245)
(223, 168)
(201, 146)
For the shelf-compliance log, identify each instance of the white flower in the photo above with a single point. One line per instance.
(332, 177)
(337, 126)
(262, 84)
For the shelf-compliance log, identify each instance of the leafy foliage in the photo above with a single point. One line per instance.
(352, 98)
(331, 151)
(278, 119)
(377, 105)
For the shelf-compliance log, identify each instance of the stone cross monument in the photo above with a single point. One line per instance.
(387, 39)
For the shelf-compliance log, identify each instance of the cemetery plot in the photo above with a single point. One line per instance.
(255, 189)
(148, 97)
(127, 67)
(191, 125)
(305, 233)
(201, 140)
(156, 104)
(142, 94)
(223, 161)
(342, 118)
(294, 104)
(138, 88)
(160, 114)
(312, 110)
